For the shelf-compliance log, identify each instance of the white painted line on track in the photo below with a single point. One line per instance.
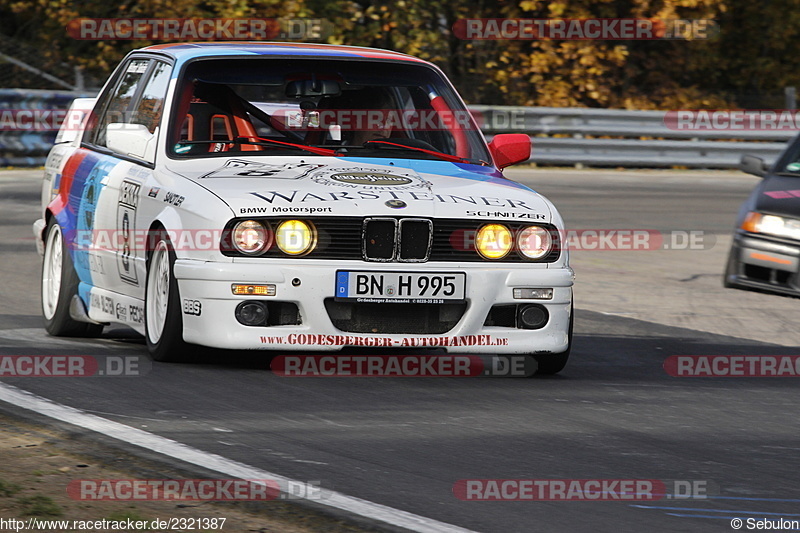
(38, 336)
(217, 463)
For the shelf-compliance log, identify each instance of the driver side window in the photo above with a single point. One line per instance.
(118, 105)
(138, 98)
(150, 104)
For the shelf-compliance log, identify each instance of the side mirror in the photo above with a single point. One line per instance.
(753, 165)
(131, 139)
(510, 148)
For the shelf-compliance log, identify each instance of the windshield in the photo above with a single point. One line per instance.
(792, 165)
(325, 107)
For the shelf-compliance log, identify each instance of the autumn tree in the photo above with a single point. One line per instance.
(747, 64)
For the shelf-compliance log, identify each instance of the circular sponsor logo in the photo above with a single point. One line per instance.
(370, 178)
(366, 178)
(396, 204)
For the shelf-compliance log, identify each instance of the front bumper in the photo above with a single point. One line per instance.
(764, 264)
(486, 286)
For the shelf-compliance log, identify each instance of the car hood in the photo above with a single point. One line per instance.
(779, 195)
(352, 187)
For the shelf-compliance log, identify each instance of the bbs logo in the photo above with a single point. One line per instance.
(192, 307)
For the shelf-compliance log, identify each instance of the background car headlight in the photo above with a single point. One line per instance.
(296, 237)
(493, 241)
(772, 225)
(534, 242)
(251, 237)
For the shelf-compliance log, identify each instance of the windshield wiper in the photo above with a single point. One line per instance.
(259, 141)
(264, 142)
(440, 155)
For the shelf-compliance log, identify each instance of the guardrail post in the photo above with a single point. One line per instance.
(790, 98)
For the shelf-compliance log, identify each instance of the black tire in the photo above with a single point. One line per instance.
(730, 268)
(168, 344)
(554, 363)
(59, 284)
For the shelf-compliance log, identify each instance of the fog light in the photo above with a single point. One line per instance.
(493, 241)
(242, 289)
(252, 313)
(533, 294)
(296, 237)
(532, 317)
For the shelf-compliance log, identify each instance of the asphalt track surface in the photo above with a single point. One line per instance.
(612, 414)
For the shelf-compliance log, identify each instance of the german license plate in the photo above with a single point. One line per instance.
(401, 287)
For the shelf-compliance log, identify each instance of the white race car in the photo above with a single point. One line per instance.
(296, 197)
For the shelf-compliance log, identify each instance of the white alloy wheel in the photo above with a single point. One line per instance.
(157, 297)
(51, 271)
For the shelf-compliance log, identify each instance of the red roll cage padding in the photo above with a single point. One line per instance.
(462, 145)
(243, 126)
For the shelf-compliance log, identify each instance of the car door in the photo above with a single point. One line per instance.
(115, 183)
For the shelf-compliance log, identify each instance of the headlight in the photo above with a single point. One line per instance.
(493, 241)
(296, 237)
(534, 242)
(772, 225)
(251, 237)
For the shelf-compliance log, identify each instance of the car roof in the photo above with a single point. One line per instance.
(185, 51)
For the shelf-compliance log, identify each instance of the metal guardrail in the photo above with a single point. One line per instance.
(610, 137)
(649, 153)
(27, 145)
(560, 136)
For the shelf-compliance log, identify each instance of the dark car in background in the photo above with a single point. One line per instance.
(765, 254)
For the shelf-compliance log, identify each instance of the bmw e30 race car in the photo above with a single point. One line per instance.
(296, 197)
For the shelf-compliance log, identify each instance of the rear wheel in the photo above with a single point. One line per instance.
(162, 311)
(59, 286)
(554, 363)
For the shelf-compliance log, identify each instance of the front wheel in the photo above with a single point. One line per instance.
(59, 286)
(162, 312)
(730, 268)
(554, 363)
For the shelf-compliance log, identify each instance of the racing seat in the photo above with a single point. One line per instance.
(216, 114)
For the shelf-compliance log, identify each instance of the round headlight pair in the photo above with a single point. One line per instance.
(293, 237)
(495, 241)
